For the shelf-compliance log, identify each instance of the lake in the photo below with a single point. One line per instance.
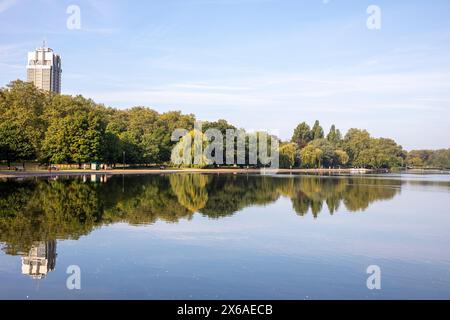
(208, 236)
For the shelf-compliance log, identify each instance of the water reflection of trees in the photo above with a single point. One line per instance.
(43, 210)
(354, 193)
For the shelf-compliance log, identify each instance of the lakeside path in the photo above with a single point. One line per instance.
(42, 173)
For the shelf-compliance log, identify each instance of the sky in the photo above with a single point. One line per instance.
(260, 64)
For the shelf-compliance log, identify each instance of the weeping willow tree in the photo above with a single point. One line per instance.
(188, 152)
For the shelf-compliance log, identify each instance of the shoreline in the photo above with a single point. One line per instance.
(42, 173)
(351, 171)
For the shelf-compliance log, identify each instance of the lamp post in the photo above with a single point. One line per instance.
(123, 159)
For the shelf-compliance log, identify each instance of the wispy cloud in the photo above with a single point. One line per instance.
(6, 4)
(13, 54)
(287, 90)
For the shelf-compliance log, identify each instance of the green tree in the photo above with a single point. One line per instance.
(342, 157)
(440, 159)
(112, 148)
(418, 158)
(334, 136)
(317, 131)
(311, 156)
(381, 153)
(355, 142)
(289, 155)
(221, 125)
(328, 156)
(167, 123)
(22, 104)
(14, 145)
(302, 135)
(74, 139)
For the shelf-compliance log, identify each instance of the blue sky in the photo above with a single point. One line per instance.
(261, 64)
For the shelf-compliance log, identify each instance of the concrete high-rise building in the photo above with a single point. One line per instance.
(44, 69)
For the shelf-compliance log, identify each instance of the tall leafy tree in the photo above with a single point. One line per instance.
(22, 103)
(14, 145)
(338, 136)
(302, 135)
(328, 156)
(317, 131)
(334, 136)
(76, 138)
(355, 142)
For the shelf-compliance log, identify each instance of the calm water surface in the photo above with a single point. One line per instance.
(193, 236)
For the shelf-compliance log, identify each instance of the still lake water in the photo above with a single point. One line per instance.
(193, 236)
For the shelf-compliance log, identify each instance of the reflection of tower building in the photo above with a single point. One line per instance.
(41, 259)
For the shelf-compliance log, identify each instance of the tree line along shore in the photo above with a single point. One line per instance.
(50, 128)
